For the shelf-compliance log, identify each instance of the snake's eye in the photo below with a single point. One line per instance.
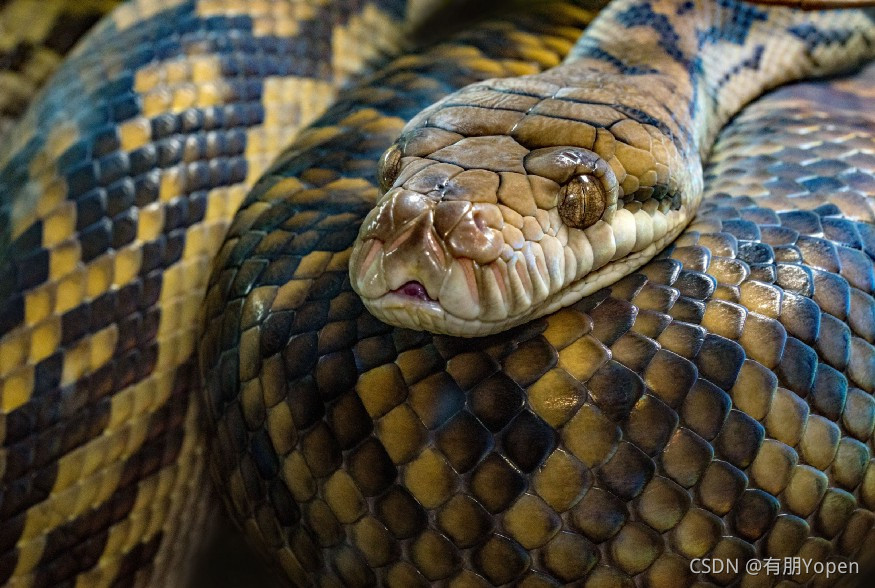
(581, 201)
(388, 168)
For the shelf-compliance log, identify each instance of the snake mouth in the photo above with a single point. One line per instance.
(413, 290)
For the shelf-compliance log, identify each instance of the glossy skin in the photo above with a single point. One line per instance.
(336, 437)
(716, 402)
(476, 209)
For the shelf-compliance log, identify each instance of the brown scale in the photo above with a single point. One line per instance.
(716, 403)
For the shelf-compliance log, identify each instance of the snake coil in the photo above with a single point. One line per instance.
(715, 402)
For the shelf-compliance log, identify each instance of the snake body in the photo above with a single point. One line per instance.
(115, 191)
(718, 401)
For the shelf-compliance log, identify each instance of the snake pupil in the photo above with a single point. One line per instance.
(581, 202)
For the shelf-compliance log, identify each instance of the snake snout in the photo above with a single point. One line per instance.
(399, 245)
(416, 247)
(470, 230)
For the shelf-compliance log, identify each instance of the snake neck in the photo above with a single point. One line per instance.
(512, 198)
(704, 60)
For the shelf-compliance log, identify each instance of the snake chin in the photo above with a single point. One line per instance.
(426, 315)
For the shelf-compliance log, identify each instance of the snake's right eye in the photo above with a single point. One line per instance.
(582, 201)
(388, 168)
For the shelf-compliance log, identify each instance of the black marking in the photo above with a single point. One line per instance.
(669, 41)
(16, 58)
(752, 62)
(735, 26)
(643, 15)
(686, 7)
(47, 374)
(814, 37)
(592, 49)
(32, 270)
(68, 29)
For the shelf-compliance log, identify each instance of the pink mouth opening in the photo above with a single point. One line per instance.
(413, 290)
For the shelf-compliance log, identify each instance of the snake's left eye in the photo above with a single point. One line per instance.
(582, 201)
(388, 168)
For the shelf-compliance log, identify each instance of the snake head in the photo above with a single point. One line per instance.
(477, 232)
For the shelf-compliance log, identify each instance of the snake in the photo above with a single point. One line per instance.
(714, 402)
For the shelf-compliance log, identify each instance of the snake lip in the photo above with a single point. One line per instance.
(414, 290)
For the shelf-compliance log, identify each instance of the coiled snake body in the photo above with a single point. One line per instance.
(715, 403)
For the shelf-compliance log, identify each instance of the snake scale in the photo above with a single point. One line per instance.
(716, 402)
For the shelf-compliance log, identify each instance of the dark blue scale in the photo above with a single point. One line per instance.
(120, 196)
(47, 373)
(803, 221)
(261, 449)
(763, 272)
(819, 253)
(174, 247)
(75, 324)
(856, 179)
(147, 188)
(81, 178)
(31, 270)
(828, 167)
(194, 147)
(103, 309)
(822, 184)
(142, 160)
(90, 208)
(753, 252)
(197, 176)
(153, 254)
(828, 209)
(169, 152)
(106, 141)
(95, 239)
(220, 172)
(719, 360)
(740, 439)
(829, 392)
(775, 235)
(165, 125)
(175, 214)
(742, 229)
(842, 231)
